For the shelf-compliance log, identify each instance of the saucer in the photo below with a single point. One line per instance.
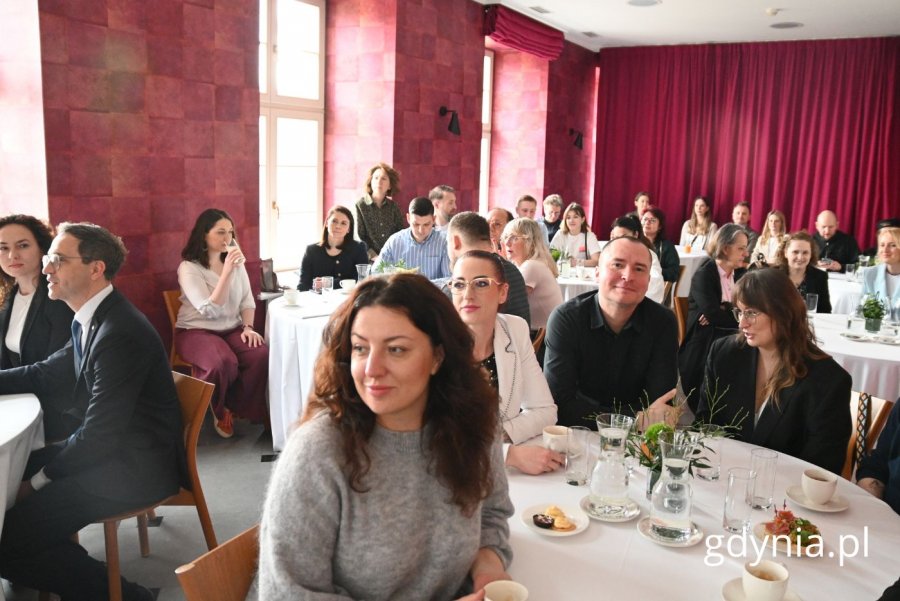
(734, 591)
(837, 503)
(887, 340)
(856, 337)
(576, 516)
(643, 526)
(626, 513)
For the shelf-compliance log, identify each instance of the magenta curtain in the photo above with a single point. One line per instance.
(514, 30)
(796, 126)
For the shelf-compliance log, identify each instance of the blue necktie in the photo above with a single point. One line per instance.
(76, 343)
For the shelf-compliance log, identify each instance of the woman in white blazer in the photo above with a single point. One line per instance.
(503, 347)
(884, 278)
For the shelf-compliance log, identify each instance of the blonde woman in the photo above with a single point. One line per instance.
(575, 237)
(771, 238)
(699, 229)
(525, 246)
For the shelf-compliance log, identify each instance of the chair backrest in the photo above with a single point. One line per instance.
(869, 417)
(667, 294)
(678, 281)
(193, 396)
(225, 573)
(681, 313)
(173, 304)
(538, 339)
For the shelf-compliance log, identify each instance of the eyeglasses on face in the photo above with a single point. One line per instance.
(650, 220)
(460, 286)
(749, 315)
(56, 260)
(513, 238)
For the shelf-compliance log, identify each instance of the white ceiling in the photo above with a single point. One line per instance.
(617, 23)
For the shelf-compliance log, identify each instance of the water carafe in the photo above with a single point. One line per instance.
(670, 503)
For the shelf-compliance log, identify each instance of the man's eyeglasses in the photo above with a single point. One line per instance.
(749, 315)
(56, 260)
(478, 284)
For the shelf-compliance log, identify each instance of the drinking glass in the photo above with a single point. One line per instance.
(738, 508)
(763, 462)
(579, 268)
(362, 271)
(327, 283)
(812, 302)
(711, 441)
(234, 244)
(851, 271)
(613, 429)
(577, 441)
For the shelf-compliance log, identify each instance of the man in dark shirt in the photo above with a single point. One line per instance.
(470, 231)
(614, 349)
(836, 248)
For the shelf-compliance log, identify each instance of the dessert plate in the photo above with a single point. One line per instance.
(643, 526)
(626, 513)
(575, 515)
(789, 548)
(734, 591)
(837, 503)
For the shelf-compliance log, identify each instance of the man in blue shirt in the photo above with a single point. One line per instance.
(419, 245)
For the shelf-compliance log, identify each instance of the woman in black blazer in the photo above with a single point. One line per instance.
(709, 306)
(771, 378)
(797, 257)
(33, 327)
(337, 254)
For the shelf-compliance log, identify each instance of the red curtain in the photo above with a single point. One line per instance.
(796, 126)
(512, 29)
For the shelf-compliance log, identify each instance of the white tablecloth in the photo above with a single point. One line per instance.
(613, 562)
(691, 263)
(21, 431)
(294, 334)
(844, 291)
(874, 367)
(572, 287)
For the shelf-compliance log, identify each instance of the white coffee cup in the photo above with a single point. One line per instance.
(818, 485)
(348, 284)
(555, 438)
(505, 590)
(765, 581)
(291, 296)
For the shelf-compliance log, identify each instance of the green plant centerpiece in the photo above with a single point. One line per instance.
(873, 310)
(399, 266)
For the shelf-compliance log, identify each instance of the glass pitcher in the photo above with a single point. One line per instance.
(670, 503)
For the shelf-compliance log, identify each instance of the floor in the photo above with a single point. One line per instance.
(234, 481)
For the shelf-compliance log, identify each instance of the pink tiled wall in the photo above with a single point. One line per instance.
(151, 114)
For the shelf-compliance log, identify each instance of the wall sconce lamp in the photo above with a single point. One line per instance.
(578, 142)
(453, 126)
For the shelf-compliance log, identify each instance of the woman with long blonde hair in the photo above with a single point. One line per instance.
(770, 239)
(700, 228)
(526, 247)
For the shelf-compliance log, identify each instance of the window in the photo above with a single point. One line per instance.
(487, 107)
(291, 127)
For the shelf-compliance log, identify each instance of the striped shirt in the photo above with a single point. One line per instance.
(429, 256)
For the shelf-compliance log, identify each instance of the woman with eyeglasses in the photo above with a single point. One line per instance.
(503, 348)
(392, 488)
(653, 223)
(214, 331)
(797, 257)
(575, 238)
(526, 247)
(785, 393)
(337, 254)
(33, 326)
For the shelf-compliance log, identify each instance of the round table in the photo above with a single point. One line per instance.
(21, 431)
(572, 287)
(691, 262)
(844, 291)
(874, 366)
(294, 335)
(614, 562)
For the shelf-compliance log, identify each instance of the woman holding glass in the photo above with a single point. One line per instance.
(33, 326)
(377, 214)
(393, 486)
(214, 331)
(503, 348)
(337, 254)
(526, 247)
(773, 382)
(699, 229)
(653, 223)
(884, 278)
(797, 257)
(575, 238)
(770, 239)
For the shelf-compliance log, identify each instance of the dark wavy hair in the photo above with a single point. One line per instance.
(771, 291)
(486, 255)
(393, 178)
(461, 414)
(43, 235)
(350, 234)
(658, 213)
(195, 249)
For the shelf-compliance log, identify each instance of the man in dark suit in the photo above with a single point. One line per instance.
(128, 451)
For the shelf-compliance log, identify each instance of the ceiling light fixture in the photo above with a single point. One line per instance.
(786, 25)
(644, 3)
(540, 9)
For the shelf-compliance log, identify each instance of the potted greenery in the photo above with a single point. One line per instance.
(873, 311)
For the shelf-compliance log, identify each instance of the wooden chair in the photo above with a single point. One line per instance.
(224, 573)
(173, 303)
(193, 396)
(538, 339)
(869, 414)
(681, 313)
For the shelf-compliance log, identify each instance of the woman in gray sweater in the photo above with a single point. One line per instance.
(393, 487)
